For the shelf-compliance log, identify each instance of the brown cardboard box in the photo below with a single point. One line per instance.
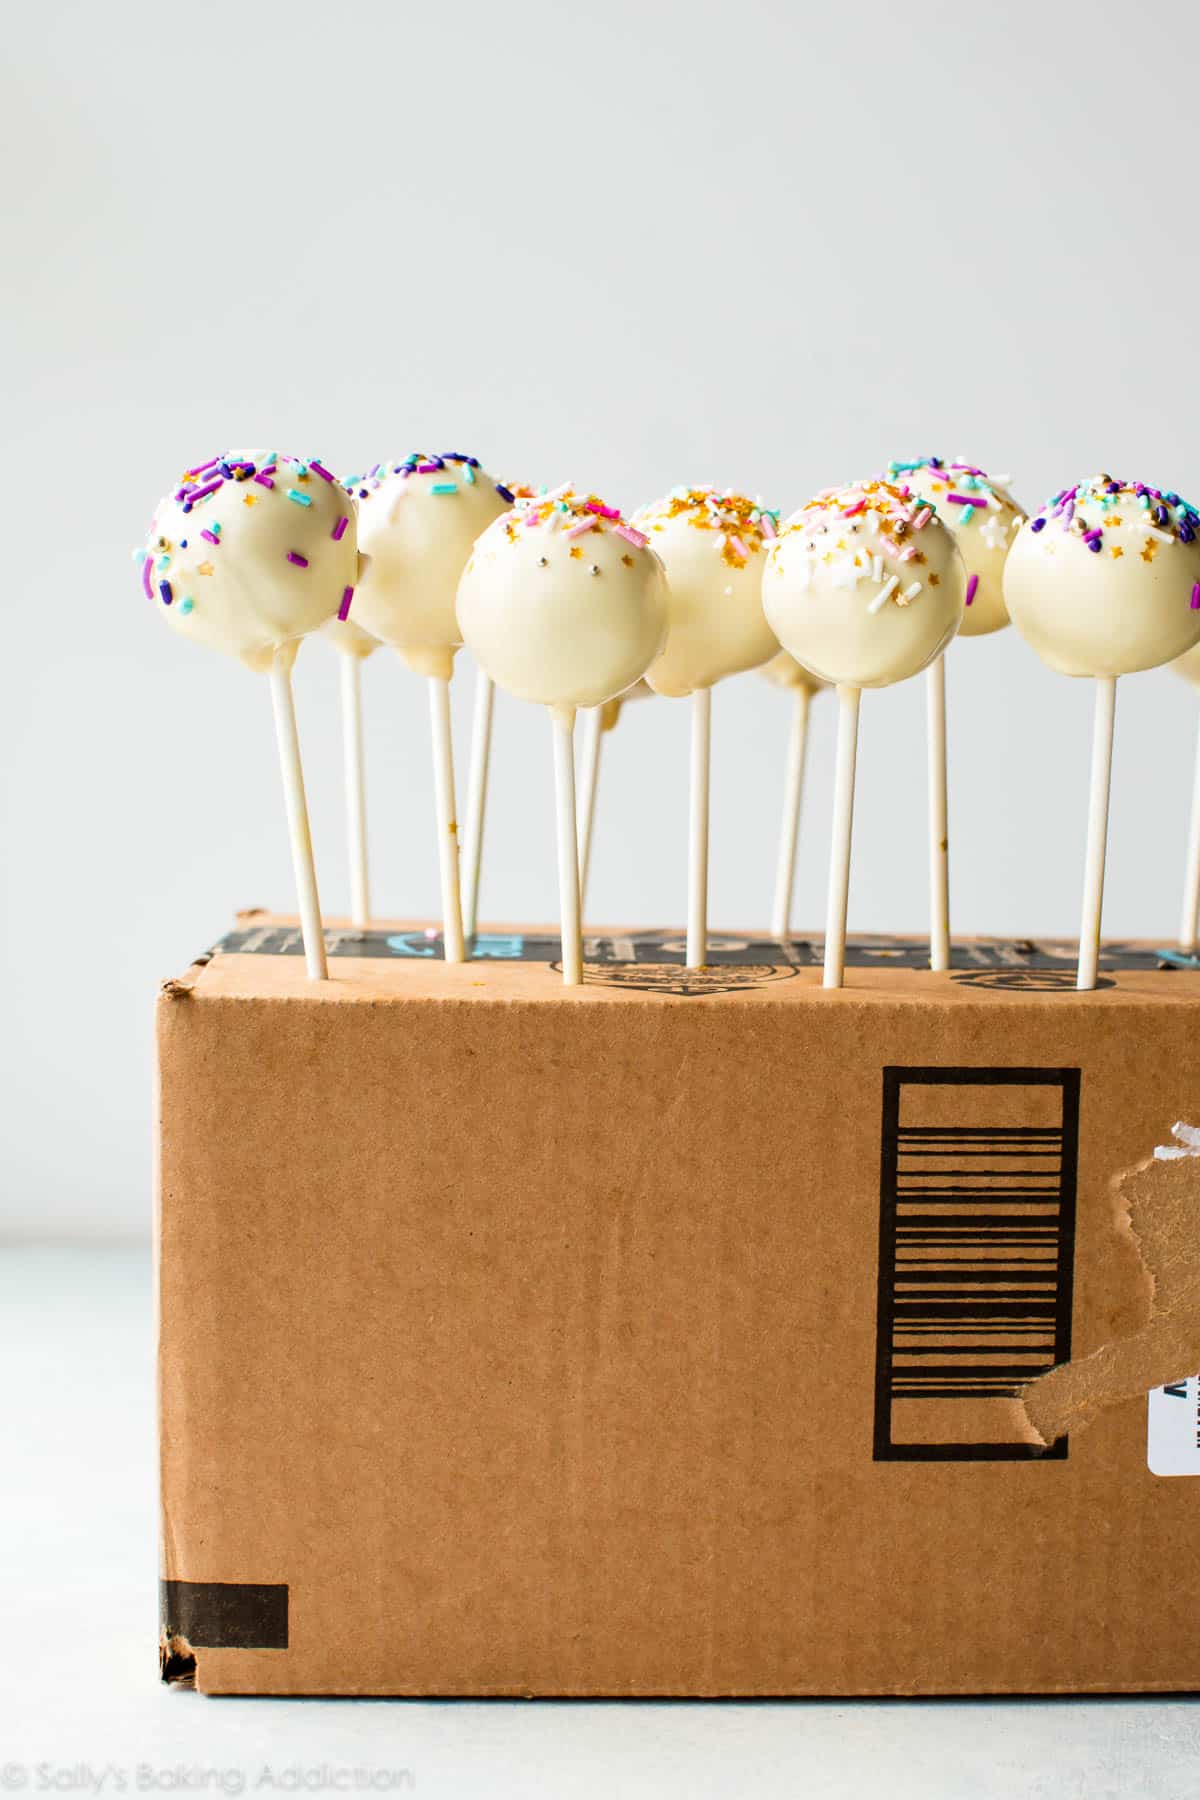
(675, 1335)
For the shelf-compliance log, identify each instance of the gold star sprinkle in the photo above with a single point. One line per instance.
(575, 550)
(1116, 550)
(205, 568)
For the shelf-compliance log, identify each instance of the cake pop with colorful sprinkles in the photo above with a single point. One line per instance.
(864, 585)
(417, 522)
(563, 603)
(1105, 579)
(982, 517)
(250, 552)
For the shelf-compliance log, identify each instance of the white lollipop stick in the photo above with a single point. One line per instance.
(939, 824)
(297, 815)
(1097, 832)
(589, 770)
(697, 923)
(356, 790)
(785, 875)
(477, 781)
(843, 828)
(562, 721)
(453, 947)
(1190, 922)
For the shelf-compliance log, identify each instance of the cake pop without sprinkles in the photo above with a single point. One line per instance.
(1188, 665)
(713, 546)
(248, 554)
(783, 671)
(563, 604)
(864, 588)
(1105, 581)
(417, 522)
(983, 519)
(354, 645)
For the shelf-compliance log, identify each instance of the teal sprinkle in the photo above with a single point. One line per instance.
(967, 514)
(298, 497)
(140, 554)
(443, 487)
(185, 606)
(164, 561)
(468, 475)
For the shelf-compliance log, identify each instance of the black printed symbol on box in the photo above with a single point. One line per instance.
(976, 1256)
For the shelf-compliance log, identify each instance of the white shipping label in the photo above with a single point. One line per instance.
(1173, 1428)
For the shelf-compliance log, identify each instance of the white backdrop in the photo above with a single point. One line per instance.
(633, 244)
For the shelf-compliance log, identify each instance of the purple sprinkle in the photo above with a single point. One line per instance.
(972, 584)
(322, 472)
(339, 529)
(1196, 596)
(211, 536)
(264, 481)
(505, 493)
(1037, 525)
(164, 588)
(294, 556)
(430, 468)
(1094, 545)
(344, 608)
(146, 562)
(203, 493)
(966, 499)
(205, 467)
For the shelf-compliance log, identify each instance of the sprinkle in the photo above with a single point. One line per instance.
(966, 515)
(972, 584)
(632, 535)
(1164, 537)
(737, 544)
(211, 536)
(922, 518)
(201, 494)
(605, 512)
(294, 556)
(203, 468)
(768, 526)
(443, 487)
(344, 608)
(468, 474)
(339, 529)
(164, 588)
(1196, 596)
(430, 468)
(1037, 525)
(859, 506)
(298, 497)
(322, 471)
(146, 567)
(910, 593)
(186, 605)
(584, 525)
(877, 568)
(884, 595)
(504, 493)
(264, 480)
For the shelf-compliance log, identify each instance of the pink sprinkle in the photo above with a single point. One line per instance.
(768, 525)
(737, 544)
(294, 556)
(907, 554)
(264, 480)
(605, 512)
(531, 519)
(921, 518)
(148, 563)
(1196, 597)
(972, 584)
(632, 535)
(429, 468)
(211, 536)
(321, 471)
(859, 506)
(578, 530)
(339, 529)
(344, 608)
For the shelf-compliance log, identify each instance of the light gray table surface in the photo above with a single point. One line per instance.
(81, 1710)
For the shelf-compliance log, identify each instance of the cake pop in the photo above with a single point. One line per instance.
(1103, 581)
(864, 587)
(783, 671)
(418, 521)
(1188, 665)
(354, 645)
(248, 554)
(477, 776)
(713, 547)
(983, 519)
(563, 604)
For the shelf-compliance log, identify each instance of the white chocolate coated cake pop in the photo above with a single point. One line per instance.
(983, 519)
(1105, 579)
(864, 585)
(418, 520)
(562, 602)
(250, 552)
(713, 546)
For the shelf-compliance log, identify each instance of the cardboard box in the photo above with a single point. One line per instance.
(683, 1334)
